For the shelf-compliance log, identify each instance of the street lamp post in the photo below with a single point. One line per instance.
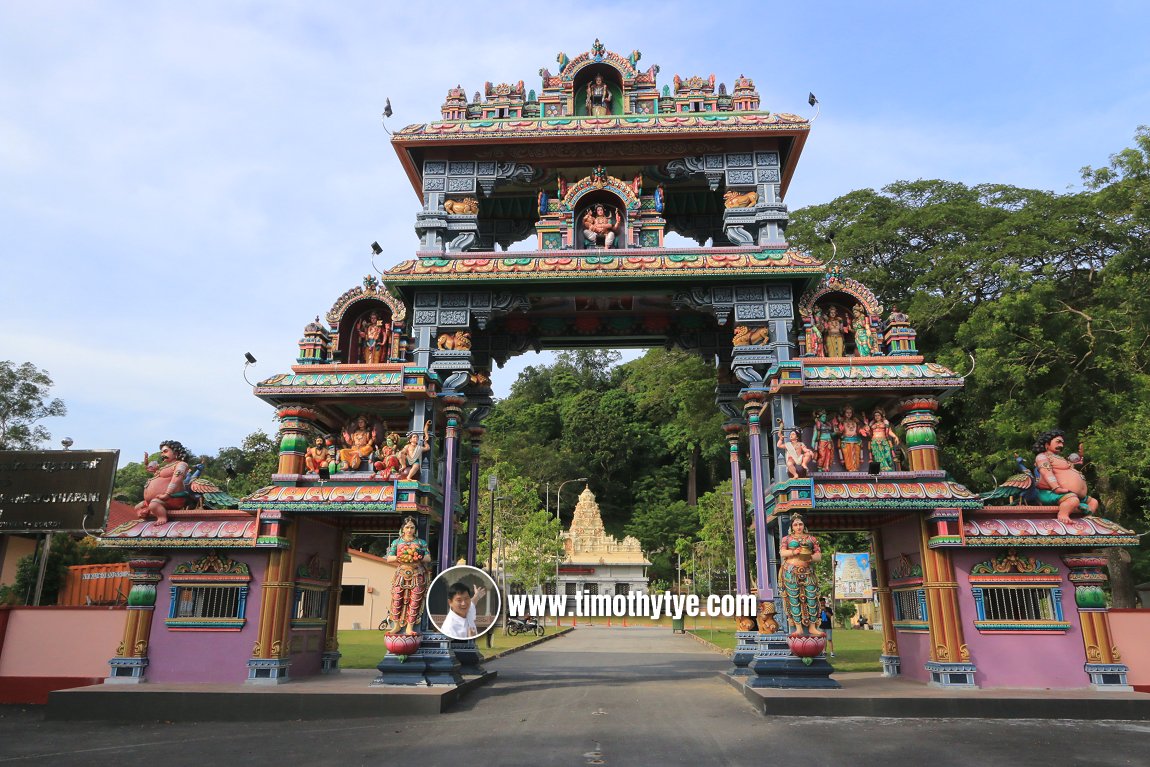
(492, 485)
(559, 557)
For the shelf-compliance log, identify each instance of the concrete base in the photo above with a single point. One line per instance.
(744, 653)
(775, 666)
(345, 695)
(871, 694)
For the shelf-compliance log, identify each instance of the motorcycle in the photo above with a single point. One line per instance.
(524, 626)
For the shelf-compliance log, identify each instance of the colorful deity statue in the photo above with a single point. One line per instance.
(823, 440)
(799, 551)
(598, 99)
(850, 431)
(832, 328)
(800, 458)
(866, 343)
(883, 440)
(358, 438)
(316, 457)
(1059, 481)
(600, 224)
(411, 454)
(409, 585)
(167, 489)
(388, 464)
(373, 336)
(813, 332)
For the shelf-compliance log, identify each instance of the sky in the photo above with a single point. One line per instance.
(181, 183)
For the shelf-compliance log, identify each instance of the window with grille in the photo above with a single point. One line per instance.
(209, 593)
(909, 609)
(310, 607)
(1017, 593)
(622, 589)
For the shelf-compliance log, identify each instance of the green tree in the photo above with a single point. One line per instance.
(24, 400)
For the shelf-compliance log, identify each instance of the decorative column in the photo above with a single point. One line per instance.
(131, 661)
(753, 405)
(295, 424)
(920, 422)
(331, 653)
(453, 411)
(732, 430)
(890, 658)
(949, 664)
(271, 655)
(1103, 661)
(476, 433)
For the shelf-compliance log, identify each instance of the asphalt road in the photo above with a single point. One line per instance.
(633, 696)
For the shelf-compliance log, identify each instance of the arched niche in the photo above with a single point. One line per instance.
(612, 79)
(354, 307)
(610, 200)
(847, 300)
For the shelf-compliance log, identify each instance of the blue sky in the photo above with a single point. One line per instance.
(181, 183)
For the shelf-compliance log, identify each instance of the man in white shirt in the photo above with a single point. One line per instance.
(460, 620)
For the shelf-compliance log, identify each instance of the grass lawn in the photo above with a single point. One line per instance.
(364, 649)
(854, 650)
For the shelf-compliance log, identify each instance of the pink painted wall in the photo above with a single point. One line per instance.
(1130, 629)
(60, 641)
(913, 647)
(1047, 660)
(314, 539)
(204, 656)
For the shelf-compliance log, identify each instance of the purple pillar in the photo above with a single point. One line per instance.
(450, 480)
(737, 502)
(762, 556)
(476, 433)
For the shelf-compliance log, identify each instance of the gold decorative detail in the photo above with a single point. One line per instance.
(941, 652)
(468, 206)
(1117, 656)
(767, 622)
(277, 649)
(733, 199)
(748, 336)
(890, 648)
(120, 650)
(256, 649)
(1093, 654)
(331, 645)
(140, 649)
(460, 340)
(964, 652)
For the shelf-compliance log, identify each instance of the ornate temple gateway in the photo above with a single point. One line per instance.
(829, 405)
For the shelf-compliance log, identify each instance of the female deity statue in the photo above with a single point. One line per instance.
(799, 551)
(864, 335)
(598, 101)
(409, 586)
(883, 440)
(833, 333)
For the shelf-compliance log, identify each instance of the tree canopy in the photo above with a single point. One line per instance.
(24, 401)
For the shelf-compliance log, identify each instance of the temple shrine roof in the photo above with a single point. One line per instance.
(587, 542)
